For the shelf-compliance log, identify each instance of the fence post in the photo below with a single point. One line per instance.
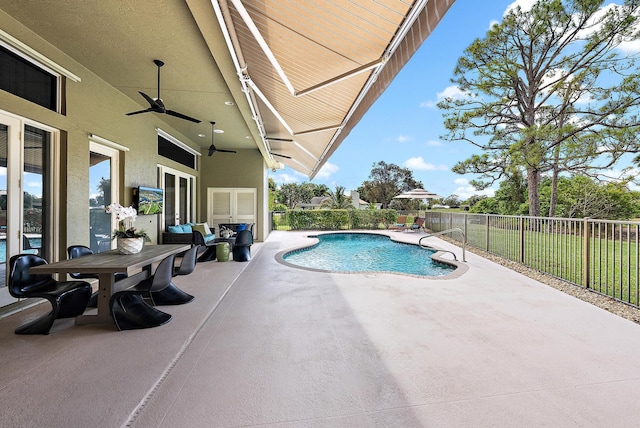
(466, 239)
(521, 233)
(487, 237)
(586, 260)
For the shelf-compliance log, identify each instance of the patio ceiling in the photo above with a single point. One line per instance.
(300, 74)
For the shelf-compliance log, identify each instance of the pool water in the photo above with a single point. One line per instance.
(35, 242)
(365, 252)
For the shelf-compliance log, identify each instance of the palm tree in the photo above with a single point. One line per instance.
(337, 199)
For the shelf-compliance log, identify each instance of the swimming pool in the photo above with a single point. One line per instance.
(365, 252)
(35, 242)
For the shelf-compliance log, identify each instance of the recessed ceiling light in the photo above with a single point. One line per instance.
(228, 103)
(248, 137)
(218, 131)
(201, 135)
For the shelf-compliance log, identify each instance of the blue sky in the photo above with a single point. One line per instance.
(404, 126)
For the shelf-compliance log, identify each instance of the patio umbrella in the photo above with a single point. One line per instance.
(418, 194)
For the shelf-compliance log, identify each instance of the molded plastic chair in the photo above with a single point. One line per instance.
(242, 247)
(74, 251)
(128, 307)
(172, 295)
(68, 298)
(27, 248)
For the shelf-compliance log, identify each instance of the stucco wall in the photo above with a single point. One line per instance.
(244, 169)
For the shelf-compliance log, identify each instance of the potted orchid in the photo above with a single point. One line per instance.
(129, 240)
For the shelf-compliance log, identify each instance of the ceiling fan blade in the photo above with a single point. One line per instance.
(157, 106)
(140, 111)
(282, 156)
(152, 103)
(226, 151)
(181, 116)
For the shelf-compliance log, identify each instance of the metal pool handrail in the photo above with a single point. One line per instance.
(443, 232)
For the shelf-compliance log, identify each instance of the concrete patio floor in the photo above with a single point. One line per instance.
(268, 345)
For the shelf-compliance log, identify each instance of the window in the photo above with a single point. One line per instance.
(174, 149)
(25, 79)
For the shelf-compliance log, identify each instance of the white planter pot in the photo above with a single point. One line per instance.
(130, 245)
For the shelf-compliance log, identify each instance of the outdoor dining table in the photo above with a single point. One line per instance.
(106, 265)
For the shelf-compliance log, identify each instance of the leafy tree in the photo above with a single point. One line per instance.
(474, 199)
(452, 200)
(337, 200)
(387, 181)
(545, 91)
(510, 198)
(103, 188)
(273, 188)
(485, 206)
(291, 194)
(582, 196)
(321, 190)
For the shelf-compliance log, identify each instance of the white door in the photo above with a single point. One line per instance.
(27, 216)
(231, 205)
(179, 200)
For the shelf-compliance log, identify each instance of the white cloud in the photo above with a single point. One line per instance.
(630, 47)
(450, 92)
(419, 164)
(284, 178)
(525, 5)
(434, 143)
(34, 184)
(465, 190)
(403, 138)
(327, 170)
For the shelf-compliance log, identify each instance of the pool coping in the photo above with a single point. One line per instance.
(460, 267)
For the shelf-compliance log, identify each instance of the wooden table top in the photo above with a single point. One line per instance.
(112, 261)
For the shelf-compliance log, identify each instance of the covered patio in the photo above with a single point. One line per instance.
(268, 345)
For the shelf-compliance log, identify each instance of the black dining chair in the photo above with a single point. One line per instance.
(172, 295)
(27, 248)
(68, 298)
(74, 251)
(242, 247)
(130, 310)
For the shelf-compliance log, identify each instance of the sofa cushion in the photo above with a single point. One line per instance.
(203, 228)
(186, 228)
(174, 229)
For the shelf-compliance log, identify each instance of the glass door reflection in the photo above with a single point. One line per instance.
(99, 197)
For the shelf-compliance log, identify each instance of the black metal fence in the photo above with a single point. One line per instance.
(601, 255)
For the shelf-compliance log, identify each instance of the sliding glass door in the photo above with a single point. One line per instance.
(25, 193)
(103, 188)
(179, 196)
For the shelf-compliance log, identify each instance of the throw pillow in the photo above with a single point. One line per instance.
(174, 229)
(206, 229)
(199, 227)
